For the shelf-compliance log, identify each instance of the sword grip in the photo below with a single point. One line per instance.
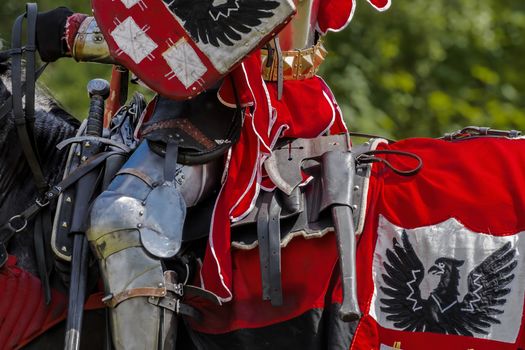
(98, 90)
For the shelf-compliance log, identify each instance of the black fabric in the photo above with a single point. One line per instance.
(316, 329)
(92, 329)
(50, 33)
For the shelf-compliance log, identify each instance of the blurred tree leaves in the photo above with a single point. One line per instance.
(429, 67)
(421, 68)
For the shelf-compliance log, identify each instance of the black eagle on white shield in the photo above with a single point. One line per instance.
(219, 22)
(442, 312)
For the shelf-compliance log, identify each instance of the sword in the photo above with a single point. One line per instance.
(284, 167)
(98, 90)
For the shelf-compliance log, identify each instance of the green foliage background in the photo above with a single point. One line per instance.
(420, 69)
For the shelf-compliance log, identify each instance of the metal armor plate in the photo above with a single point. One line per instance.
(179, 48)
(159, 218)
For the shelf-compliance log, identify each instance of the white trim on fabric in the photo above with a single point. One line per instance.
(212, 248)
(335, 30)
(381, 9)
(248, 188)
(231, 105)
(330, 103)
(268, 189)
(284, 243)
(270, 108)
(364, 198)
(334, 101)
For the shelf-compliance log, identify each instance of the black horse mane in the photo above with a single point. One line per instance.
(17, 189)
(5, 71)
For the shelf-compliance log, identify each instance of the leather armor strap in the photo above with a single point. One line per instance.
(175, 305)
(296, 64)
(139, 174)
(182, 124)
(112, 300)
(115, 242)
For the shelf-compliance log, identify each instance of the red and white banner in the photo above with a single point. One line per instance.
(441, 261)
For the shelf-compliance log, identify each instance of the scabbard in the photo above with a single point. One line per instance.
(338, 169)
(80, 258)
(85, 191)
(346, 245)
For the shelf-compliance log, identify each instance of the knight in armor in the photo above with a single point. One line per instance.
(207, 149)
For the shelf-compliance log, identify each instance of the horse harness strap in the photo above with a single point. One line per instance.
(19, 222)
(25, 121)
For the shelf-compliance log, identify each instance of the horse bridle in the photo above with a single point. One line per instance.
(25, 118)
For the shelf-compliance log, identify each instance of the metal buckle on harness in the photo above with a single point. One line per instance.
(42, 202)
(12, 225)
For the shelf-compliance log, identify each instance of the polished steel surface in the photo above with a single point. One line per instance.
(300, 32)
(89, 44)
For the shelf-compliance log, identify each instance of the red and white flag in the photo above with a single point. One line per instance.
(441, 261)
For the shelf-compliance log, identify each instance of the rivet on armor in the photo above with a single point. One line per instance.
(161, 285)
(64, 249)
(68, 199)
(356, 188)
(141, 212)
(87, 144)
(139, 225)
(83, 159)
(354, 206)
(64, 224)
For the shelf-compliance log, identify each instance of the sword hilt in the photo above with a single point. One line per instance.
(98, 90)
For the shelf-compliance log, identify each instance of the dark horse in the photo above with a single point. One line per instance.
(17, 191)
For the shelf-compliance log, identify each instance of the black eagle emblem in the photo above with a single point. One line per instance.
(442, 312)
(219, 22)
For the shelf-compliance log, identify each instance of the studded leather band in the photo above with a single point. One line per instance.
(297, 64)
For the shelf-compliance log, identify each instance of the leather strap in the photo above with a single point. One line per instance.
(170, 160)
(18, 222)
(262, 237)
(112, 300)
(274, 251)
(42, 225)
(269, 238)
(370, 157)
(139, 174)
(7, 106)
(184, 125)
(25, 121)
